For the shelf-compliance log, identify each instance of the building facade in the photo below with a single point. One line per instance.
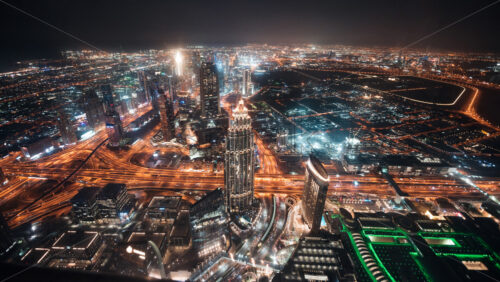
(314, 195)
(239, 161)
(114, 126)
(84, 205)
(166, 108)
(93, 108)
(209, 90)
(113, 203)
(68, 135)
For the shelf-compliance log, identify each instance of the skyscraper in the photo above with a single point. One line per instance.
(167, 117)
(209, 90)
(113, 122)
(239, 161)
(246, 87)
(144, 94)
(314, 195)
(92, 108)
(68, 134)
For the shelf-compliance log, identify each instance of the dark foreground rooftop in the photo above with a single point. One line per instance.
(58, 275)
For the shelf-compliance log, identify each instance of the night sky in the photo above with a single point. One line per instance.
(134, 24)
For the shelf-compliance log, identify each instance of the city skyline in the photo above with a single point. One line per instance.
(321, 22)
(250, 141)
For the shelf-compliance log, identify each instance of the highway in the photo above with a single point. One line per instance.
(26, 197)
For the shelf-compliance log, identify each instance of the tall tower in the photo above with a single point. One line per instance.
(92, 108)
(239, 161)
(143, 81)
(314, 195)
(166, 108)
(247, 81)
(114, 126)
(68, 135)
(209, 90)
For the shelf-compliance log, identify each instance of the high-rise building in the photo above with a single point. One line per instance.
(113, 203)
(93, 108)
(166, 109)
(209, 90)
(239, 161)
(84, 205)
(314, 195)
(68, 134)
(114, 126)
(247, 83)
(209, 224)
(144, 94)
(5, 236)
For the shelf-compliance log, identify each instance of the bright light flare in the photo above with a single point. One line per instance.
(178, 63)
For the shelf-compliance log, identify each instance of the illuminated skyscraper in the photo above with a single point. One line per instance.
(68, 134)
(314, 195)
(247, 81)
(239, 161)
(209, 90)
(114, 126)
(93, 108)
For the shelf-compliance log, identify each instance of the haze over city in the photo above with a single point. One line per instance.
(249, 141)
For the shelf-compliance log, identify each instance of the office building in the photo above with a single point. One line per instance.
(209, 224)
(68, 135)
(239, 161)
(84, 205)
(314, 195)
(209, 90)
(113, 203)
(163, 209)
(144, 95)
(114, 126)
(318, 259)
(180, 236)
(166, 109)
(93, 109)
(246, 87)
(76, 249)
